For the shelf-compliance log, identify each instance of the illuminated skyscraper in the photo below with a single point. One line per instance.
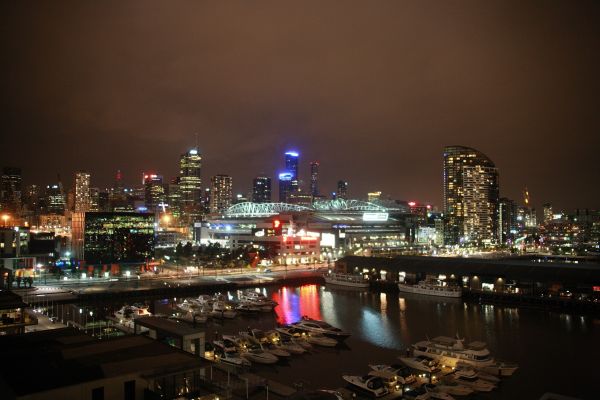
(190, 182)
(314, 178)
(154, 192)
(507, 220)
(174, 197)
(342, 190)
(291, 163)
(285, 186)
(261, 189)
(221, 192)
(55, 200)
(470, 196)
(548, 214)
(82, 192)
(10, 189)
(529, 213)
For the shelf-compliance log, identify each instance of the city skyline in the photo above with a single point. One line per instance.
(519, 86)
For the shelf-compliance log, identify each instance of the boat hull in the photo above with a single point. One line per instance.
(428, 292)
(336, 282)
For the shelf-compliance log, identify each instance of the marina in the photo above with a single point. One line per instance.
(383, 327)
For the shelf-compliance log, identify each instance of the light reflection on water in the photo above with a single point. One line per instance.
(547, 345)
(294, 303)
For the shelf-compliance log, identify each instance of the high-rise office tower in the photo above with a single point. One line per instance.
(82, 192)
(10, 189)
(174, 197)
(31, 198)
(154, 192)
(94, 199)
(285, 186)
(471, 190)
(221, 188)
(314, 178)
(291, 163)
(529, 214)
(342, 190)
(507, 220)
(55, 199)
(190, 182)
(548, 214)
(261, 189)
(118, 188)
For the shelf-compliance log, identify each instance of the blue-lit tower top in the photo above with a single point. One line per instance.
(291, 163)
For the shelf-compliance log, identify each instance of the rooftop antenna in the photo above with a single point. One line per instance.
(196, 140)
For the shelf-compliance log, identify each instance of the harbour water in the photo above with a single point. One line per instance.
(556, 352)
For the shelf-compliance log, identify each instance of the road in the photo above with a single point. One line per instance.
(69, 290)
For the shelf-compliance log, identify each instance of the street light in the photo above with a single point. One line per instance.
(5, 218)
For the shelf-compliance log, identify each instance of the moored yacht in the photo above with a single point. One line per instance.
(322, 327)
(432, 287)
(471, 380)
(348, 280)
(132, 312)
(436, 393)
(370, 384)
(403, 373)
(311, 337)
(421, 363)
(222, 309)
(449, 351)
(252, 351)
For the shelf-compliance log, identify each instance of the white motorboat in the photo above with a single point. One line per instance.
(222, 309)
(225, 355)
(390, 379)
(259, 356)
(187, 306)
(436, 393)
(295, 335)
(132, 312)
(258, 337)
(204, 300)
(405, 376)
(453, 388)
(247, 307)
(449, 351)
(432, 287)
(287, 343)
(347, 280)
(421, 363)
(322, 327)
(252, 351)
(472, 380)
(192, 317)
(370, 384)
(483, 375)
(256, 297)
(315, 338)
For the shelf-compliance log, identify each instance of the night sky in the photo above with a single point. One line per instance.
(371, 89)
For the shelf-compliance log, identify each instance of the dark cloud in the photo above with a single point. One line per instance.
(373, 90)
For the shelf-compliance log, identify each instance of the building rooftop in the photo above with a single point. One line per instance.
(518, 269)
(10, 300)
(47, 360)
(169, 326)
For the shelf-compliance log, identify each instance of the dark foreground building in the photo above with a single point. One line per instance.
(118, 237)
(66, 364)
